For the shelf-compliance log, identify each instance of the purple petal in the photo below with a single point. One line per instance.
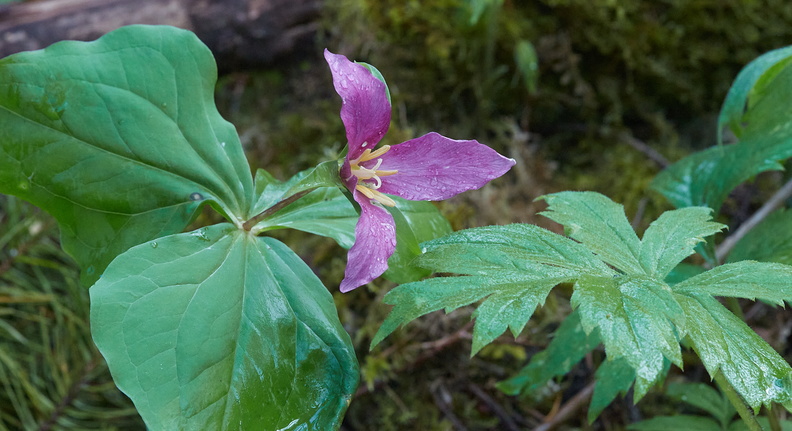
(375, 242)
(434, 167)
(366, 112)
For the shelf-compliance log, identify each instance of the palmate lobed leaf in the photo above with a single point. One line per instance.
(638, 316)
(416, 222)
(771, 282)
(514, 267)
(638, 320)
(673, 237)
(598, 223)
(727, 345)
(218, 329)
(119, 139)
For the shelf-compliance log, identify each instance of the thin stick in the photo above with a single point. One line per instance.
(643, 147)
(774, 202)
(568, 409)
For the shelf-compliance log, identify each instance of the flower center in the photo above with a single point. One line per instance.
(373, 173)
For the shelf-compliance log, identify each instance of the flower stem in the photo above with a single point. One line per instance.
(772, 418)
(737, 401)
(275, 208)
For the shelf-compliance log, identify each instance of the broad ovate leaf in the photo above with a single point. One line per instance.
(598, 223)
(727, 345)
(758, 110)
(218, 329)
(737, 99)
(706, 178)
(119, 139)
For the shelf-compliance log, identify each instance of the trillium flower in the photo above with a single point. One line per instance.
(430, 168)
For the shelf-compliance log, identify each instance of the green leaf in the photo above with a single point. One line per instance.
(768, 112)
(704, 397)
(747, 279)
(726, 344)
(324, 211)
(673, 236)
(737, 98)
(416, 222)
(678, 422)
(271, 191)
(638, 320)
(513, 266)
(119, 139)
(527, 63)
(218, 329)
(569, 345)
(769, 241)
(614, 377)
(706, 178)
(682, 272)
(598, 223)
(739, 425)
(478, 7)
(377, 74)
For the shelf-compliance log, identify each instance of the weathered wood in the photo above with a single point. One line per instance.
(239, 32)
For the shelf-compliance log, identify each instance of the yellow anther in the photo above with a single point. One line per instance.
(369, 155)
(362, 173)
(375, 195)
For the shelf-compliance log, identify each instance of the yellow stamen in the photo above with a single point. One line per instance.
(375, 195)
(362, 173)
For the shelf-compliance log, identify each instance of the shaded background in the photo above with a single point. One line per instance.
(616, 90)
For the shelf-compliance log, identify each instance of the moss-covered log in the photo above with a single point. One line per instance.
(239, 32)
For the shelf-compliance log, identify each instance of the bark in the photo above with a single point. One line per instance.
(239, 32)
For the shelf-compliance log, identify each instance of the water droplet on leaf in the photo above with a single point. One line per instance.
(90, 270)
(201, 234)
(154, 244)
(196, 197)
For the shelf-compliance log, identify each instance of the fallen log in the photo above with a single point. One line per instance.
(241, 33)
